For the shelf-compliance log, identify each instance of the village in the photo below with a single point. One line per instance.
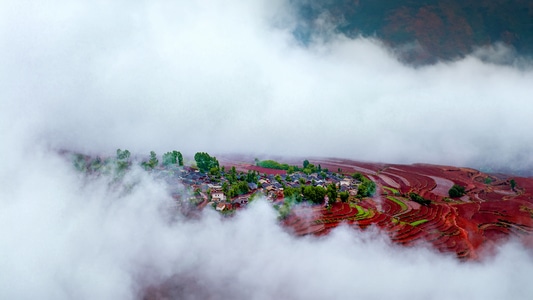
(437, 204)
(205, 182)
(227, 189)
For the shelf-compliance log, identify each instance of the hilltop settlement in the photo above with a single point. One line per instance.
(455, 209)
(205, 182)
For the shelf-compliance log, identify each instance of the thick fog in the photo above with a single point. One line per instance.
(229, 76)
(64, 236)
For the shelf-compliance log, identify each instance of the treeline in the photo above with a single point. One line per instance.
(306, 168)
(206, 163)
(123, 161)
(272, 164)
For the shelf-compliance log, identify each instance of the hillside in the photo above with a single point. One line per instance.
(495, 208)
(425, 31)
(456, 210)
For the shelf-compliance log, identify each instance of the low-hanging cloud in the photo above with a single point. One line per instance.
(67, 236)
(228, 77)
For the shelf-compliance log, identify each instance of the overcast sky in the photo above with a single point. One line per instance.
(228, 76)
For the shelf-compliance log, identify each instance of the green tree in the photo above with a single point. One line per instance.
(305, 163)
(513, 184)
(169, 158)
(284, 210)
(96, 164)
(80, 162)
(152, 162)
(315, 194)
(290, 192)
(419, 199)
(180, 159)
(367, 188)
(251, 176)
(232, 176)
(358, 176)
(205, 162)
(122, 160)
(243, 187)
(123, 155)
(214, 171)
(332, 192)
(456, 191)
(344, 196)
(290, 170)
(272, 164)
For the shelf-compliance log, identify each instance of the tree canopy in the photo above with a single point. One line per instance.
(205, 162)
(419, 199)
(122, 160)
(152, 162)
(366, 188)
(315, 194)
(456, 191)
(344, 196)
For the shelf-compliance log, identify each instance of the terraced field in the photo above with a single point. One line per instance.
(490, 212)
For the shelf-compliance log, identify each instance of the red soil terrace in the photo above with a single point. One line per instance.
(489, 213)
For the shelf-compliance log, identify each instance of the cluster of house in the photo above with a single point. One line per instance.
(208, 191)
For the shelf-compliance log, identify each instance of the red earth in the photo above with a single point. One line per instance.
(489, 213)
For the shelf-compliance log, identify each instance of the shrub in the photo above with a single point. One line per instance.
(513, 184)
(456, 191)
(419, 199)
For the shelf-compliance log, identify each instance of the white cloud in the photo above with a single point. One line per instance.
(230, 77)
(67, 237)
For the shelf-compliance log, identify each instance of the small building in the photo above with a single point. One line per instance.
(263, 181)
(241, 200)
(221, 206)
(346, 182)
(217, 195)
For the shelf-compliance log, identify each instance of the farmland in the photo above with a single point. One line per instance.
(491, 211)
(412, 204)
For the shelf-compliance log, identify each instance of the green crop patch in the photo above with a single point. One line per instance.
(416, 223)
(395, 192)
(399, 202)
